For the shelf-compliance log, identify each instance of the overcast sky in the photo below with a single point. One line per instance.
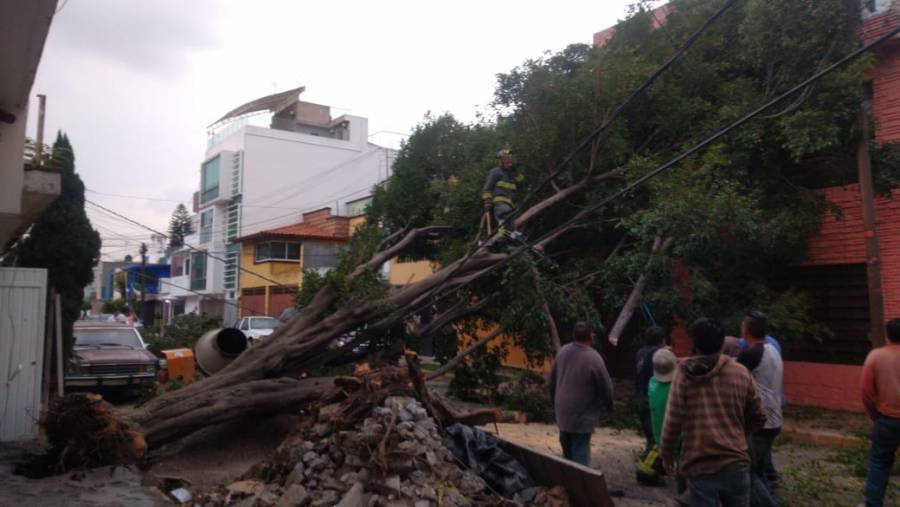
(135, 82)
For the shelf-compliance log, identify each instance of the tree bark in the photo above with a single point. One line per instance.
(551, 323)
(660, 246)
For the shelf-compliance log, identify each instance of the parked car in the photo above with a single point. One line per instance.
(110, 355)
(257, 327)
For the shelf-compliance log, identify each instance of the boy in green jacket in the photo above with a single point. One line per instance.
(664, 362)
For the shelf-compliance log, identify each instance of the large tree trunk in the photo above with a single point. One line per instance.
(263, 379)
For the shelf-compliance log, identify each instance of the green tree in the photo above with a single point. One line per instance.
(734, 214)
(62, 239)
(180, 225)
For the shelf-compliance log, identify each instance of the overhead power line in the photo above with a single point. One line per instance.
(700, 145)
(202, 296)
(622, 106)
(191, 247)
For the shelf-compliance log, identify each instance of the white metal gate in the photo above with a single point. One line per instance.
(23, 300)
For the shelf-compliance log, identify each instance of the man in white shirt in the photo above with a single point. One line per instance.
(767, 373)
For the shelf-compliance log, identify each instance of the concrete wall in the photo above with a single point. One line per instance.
(293, 173)
(12, 175)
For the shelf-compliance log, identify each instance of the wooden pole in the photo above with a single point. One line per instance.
(59, 345)
(49, 331)
(870, 234)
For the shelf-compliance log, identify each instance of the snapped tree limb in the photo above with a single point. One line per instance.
(660, 247)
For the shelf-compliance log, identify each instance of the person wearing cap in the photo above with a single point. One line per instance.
(500, 187)
(664, 366)
(654, 340)
(664, 363)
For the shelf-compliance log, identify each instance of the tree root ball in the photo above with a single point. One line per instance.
(84, 431)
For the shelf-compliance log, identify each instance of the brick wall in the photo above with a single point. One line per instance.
(322, 218)
(885, 80)
(842, 242)
(831, 386)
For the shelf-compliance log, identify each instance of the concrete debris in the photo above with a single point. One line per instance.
(181, 495)
(362, 453)
(393, 456)
(295, 496)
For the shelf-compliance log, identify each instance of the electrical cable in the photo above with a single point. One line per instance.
(702, 144)
(202, 296)
(621, 107)
(191, 247)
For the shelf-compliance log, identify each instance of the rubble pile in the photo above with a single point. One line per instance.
(394, 457)
(376, 442)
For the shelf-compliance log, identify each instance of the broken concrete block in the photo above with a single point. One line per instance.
(297, 474)
(354, 497)
(295, 496)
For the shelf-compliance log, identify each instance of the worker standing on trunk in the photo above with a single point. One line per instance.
(500, 191)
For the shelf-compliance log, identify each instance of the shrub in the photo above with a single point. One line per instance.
(183, 332)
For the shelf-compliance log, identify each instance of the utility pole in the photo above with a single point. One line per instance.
(143, 278)
(870, 234)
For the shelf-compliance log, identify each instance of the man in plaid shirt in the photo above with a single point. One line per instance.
(713, 406)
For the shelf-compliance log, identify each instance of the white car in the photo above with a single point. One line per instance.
(256, 328)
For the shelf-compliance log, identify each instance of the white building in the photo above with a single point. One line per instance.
(266, 163)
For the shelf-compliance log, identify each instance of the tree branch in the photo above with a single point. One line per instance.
(660, 246)
(381, 257)
(562, 195)
(468, 350)
(456, 312)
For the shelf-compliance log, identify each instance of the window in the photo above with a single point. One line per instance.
(320, 255)
(263, 323)
(840, 300)
(209, 180)
(198, 271)
(206, 226)
(245, 325)
(277, 251)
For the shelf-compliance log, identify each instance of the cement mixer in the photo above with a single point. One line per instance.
(217, 348)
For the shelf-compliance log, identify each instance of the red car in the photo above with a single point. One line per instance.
(110, 355)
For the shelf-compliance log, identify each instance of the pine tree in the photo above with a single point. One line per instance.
(63, 241)
(180, 225)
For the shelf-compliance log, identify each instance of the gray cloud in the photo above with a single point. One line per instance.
(149, 36)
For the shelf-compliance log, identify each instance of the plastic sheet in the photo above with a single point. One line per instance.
(483, 453)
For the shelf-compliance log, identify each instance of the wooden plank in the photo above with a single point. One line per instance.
(586, 486)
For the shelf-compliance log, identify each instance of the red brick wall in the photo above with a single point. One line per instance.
(885, 79)
(842, 242)
(337, 225)
(831, 386)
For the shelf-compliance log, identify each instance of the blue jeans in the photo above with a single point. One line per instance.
(885, 439)
(730, 487)
(576, 447)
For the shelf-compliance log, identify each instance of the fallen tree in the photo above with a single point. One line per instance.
(428, 213)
